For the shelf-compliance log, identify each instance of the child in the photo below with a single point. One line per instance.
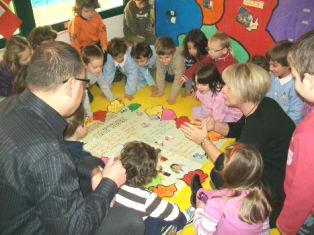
(87, 26)
(145, 58)
(283, 88)
(243, 206)
(41, 35)
(93, 59)
(120, 60)
(261, 61)
(299, 184)
(219, 50)
(137, 22)
(170, 67)
(195, 48)
(140, 161)
(18, 52)
(209, 84)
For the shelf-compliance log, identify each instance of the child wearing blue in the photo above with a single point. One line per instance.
(119, 59)
(282, 83)
(144, 56)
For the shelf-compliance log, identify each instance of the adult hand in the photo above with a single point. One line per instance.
(115, 171)
(194, 133)
(96, 177)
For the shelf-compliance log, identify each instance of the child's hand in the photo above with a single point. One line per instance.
(129, 97)
(118, 99)
(154, 89)
(171, 100)
(157, 93)
(183, 79)
(200, 204)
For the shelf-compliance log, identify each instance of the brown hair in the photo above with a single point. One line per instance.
(165, 46)
(16, 45)
(261, 61)
(279, 52)
(223, 39)
(117, 46)
(74, 121)
(141, 49)
(301, 54)
(79, 4)
(91, 51)
(243, 172)
(40, 34)
(19, 83)
(140, 161)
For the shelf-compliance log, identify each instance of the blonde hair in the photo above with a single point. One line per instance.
(223, 39)
(243, 172)
(249, 81)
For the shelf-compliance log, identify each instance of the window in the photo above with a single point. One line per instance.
(49, 12)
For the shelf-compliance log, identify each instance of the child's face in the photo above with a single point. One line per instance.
(202, 88)
(215, 50)
(95, 65)
(141, 61)
(278, 70)
(165, 59)
(87, 12)
(25, 56)
(140, 3)
(119, 58)
(192, 49)
(304, 87)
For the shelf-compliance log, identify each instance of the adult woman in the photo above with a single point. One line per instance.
(263, 124)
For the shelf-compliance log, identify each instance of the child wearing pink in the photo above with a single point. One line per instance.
(209, 83)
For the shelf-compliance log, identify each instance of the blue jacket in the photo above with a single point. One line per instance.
(144, 75)
(287, 97)
(129, 69)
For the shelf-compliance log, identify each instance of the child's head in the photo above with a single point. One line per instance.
(195, 44)
(75, 129)
(86, 8)
(41, 35)
(117, 48)
(208, 78)
(93, 59)
(141, 53)
(218, 45)
(243, 172)
(261, 61)
(17, 52)
(277, 57)
(165, 49)
(140, 161)
(301, 61)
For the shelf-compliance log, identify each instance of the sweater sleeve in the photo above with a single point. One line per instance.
(299, 195)
(104, 86)
(74, 29)
(189, 73)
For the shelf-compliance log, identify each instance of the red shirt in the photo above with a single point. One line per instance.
(299, 181)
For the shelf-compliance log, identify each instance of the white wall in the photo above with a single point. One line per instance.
(114, 29)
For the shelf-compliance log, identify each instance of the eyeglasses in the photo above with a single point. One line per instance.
(79, 79)
(214, 50)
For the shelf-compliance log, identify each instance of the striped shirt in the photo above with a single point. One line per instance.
(146, 203)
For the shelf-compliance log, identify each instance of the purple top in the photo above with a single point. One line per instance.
(6, 80)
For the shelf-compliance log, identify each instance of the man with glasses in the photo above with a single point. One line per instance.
(39, 185)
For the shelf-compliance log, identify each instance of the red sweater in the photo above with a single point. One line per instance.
(299, 181)
(87, 32)
(220, 63)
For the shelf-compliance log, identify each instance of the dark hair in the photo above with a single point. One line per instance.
(40, 34)
(74, 121)
(261, 61)
(198, 38)
(79, 4)
(117, 46)
(243, 172)
(11, 56)
(301, 54)
(51, 64)
(140, 161)
(141, 49)
(91, 51)
(208, 74)
(279, 52)
(19, 83)
(165, 46)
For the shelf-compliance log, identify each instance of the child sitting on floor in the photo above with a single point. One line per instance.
(145, 58)
(87, 26)
(140, 161)
(282, 83)
(170, 67)
(209, 84)
(242, 207)
(119, 60)
(41, 35)
(93, 59)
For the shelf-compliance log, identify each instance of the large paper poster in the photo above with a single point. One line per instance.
(179, 156)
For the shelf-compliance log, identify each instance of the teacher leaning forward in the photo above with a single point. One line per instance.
(263, 124)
